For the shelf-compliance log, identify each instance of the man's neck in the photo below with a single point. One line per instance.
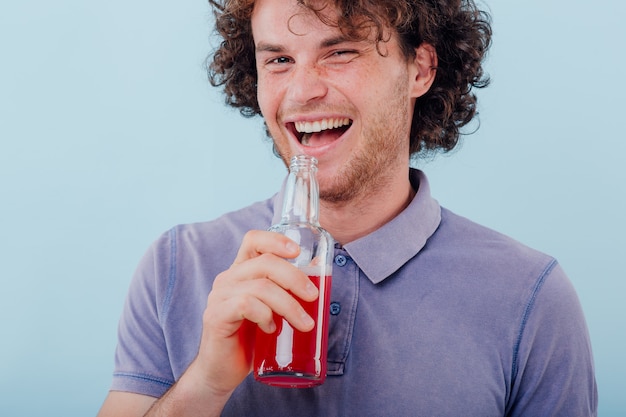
(370, 210)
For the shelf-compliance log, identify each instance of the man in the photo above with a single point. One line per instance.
(434, 315)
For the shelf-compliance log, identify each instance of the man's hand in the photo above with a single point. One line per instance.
(244, 297)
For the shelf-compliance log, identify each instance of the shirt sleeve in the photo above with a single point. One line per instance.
(553, 371)
(141, 360)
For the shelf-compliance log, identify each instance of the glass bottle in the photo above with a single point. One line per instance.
(289, 357)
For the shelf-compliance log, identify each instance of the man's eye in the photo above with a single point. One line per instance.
(280, 60)
(342, 56)
(345, 52)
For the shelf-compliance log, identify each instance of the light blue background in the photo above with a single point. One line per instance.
(110, 134)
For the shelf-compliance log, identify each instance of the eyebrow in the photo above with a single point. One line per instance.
(326, 43)
(268, 47)
(336, 40)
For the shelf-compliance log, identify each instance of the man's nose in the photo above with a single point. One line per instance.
(306, 84)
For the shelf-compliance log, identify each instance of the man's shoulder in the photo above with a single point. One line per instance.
(493, 270)
(231, 225)
(216, 238)
(481, 247)
(470, 231)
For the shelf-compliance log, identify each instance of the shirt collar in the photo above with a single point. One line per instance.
(382, 252)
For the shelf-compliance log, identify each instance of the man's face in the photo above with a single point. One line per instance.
(346, 103)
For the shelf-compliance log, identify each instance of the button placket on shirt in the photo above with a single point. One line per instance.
(335, 306)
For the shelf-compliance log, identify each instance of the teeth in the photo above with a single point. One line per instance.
(319, 125)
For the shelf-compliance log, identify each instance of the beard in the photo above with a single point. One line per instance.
(385, 145)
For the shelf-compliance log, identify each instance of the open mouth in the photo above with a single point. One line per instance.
(320, 132)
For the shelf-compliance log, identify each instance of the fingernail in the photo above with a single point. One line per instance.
(306, 319)
(292, 247)
(272, 327)
(311, 289)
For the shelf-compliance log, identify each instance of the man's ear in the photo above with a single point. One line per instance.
(424, 68)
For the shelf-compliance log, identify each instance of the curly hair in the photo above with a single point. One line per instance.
(457, 29)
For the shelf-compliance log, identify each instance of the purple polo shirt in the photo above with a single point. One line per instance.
(432, 315)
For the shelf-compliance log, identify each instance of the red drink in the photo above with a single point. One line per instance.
(290, 358)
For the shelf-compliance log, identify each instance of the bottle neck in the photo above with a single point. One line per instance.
(301, 196)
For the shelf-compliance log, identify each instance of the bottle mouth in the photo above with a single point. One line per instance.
(303, 161)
